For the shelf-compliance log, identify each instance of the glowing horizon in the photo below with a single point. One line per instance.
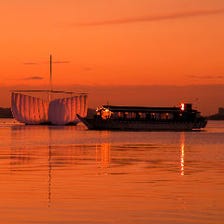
(112, 43)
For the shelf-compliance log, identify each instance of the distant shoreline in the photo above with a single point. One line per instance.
(217, 117)
(5, 113)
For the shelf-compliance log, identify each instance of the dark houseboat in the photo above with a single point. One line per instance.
(135, 118)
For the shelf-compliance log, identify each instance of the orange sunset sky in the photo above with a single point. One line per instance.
(114, 43)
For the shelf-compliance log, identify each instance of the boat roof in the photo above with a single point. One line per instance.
(141, 109)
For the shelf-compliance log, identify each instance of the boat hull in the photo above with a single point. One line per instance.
(142, 125)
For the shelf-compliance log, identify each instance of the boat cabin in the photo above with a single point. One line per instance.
(184, 112)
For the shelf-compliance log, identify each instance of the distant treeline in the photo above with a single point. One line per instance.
(216, 117)
(5, 113)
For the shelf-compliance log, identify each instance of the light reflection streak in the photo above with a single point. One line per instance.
(182, 145)
(103, 152)
(103, 155)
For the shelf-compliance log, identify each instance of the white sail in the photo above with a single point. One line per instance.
(18, 108)
(45, 105)
(29, 110)
(53, 111)
(78, 104)
(81, 99)
(73, 108)
(26, 108)
(33, 110)
(21, 107)
(68, 109)
(85, 106)
(63, 111)
(13, 106)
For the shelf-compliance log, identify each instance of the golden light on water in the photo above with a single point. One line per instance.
(182, 145)
(103, 155)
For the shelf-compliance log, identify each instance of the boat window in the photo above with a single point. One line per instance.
(114, 115)
(133, 115)
(142, 115)
(166, 116)
(153, 116)
(129, 115)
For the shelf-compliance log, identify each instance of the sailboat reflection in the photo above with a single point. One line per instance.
(182, 145)
(40, 154)
(49, 169)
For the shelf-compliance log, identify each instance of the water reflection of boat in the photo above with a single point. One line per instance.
(145, 118)
(47, 158)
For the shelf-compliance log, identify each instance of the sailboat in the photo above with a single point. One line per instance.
(59, 110)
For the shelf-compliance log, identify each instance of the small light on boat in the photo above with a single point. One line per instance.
(106, 113)
(182, 106)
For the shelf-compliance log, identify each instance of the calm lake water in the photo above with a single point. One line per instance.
(72, 175)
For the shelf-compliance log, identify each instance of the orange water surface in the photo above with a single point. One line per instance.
(72, 175)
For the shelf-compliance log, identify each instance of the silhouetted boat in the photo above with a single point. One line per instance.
(135, 118)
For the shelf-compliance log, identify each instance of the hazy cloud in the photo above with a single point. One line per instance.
(61, 62)
(206, 76)
(151, 18)
(54, 62)
(87, 69)
(34, 78)
(30, 63)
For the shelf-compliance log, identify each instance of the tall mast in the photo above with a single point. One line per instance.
(51, 88)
